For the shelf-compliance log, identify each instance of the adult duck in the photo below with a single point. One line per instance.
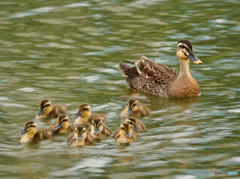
(159, 80)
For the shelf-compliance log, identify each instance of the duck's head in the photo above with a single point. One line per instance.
(45, 107)
(80, 133)
(96, 126)
(63, 121)
(84, 110)
(30, 127)
(132, 121)
(132, 106)
(185, 51)
(125, 130)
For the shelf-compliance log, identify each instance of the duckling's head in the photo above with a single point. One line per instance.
(132, 106)
(96, 126)
(45, 107)
(30, 127)
(84, 110)
(185, 51)
(80, 133)
(125, 130)
(132, 121)
(63, 121)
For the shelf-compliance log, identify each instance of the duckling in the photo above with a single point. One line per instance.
(125, 134)
(135, 109)
(99, 130)
(159, 80)
(49, 111)
(32, 134)
(136, 124)
(80, 137)
(62, 125)
(85, 116)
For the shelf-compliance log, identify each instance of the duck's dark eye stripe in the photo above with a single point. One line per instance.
(183, 46)
(130, 123)
(123, 128)
(83, 131)
(63, 120)
(46, 105)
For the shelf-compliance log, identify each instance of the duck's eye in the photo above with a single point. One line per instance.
(122, 128)
(83, 131)
(64, 120)
(85, 109)
(130, 123)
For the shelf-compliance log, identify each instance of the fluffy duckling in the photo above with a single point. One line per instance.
(80, 137)
(135, 109)
(99, 130)
(85, 116)
(136, 124)
(62, 125)
(49, 111)
(32, 134)
(125, 134)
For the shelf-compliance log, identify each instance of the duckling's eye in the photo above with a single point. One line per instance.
(122, 128)
(64, 120)
(85, 109)
(83, 131)
(130, 123)
(31, 126)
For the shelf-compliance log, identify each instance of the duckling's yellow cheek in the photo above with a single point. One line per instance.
(135, 108)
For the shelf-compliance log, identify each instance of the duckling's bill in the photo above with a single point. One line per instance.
(59, 126)
(127, 134)
(24, 131)
(41, 111)
(80, 138)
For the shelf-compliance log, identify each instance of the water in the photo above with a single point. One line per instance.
(69, 51)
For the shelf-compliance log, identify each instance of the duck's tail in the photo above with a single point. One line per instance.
(129, 73)
(129, 61)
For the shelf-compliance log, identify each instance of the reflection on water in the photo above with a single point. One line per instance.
(69, 52)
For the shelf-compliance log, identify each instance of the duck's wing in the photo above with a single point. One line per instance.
(158, 73)
(106, 131)
(116, 133)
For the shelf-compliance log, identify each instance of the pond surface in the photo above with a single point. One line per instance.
(69, 51)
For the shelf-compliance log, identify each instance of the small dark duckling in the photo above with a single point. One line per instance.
(125, 134)
(62, 125)
(85, 115)
(136, 124)
(32, 134)
(99, 130)
(135, 109)
(49, 111)
(80, 137)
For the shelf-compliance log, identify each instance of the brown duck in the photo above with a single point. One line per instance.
(85, 115)
(124, 134)
(32, 134)
(99, 130)
(160, 80)
(135, 109)
(49, 111)
(80, 137)
(62, 125)
(136, 124)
